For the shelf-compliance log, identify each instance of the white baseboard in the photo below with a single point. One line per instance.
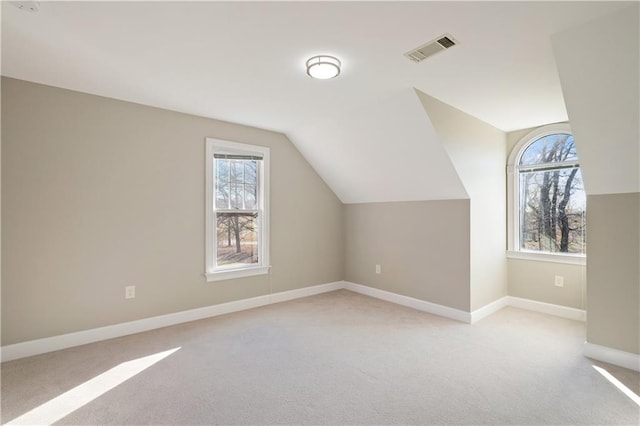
(49, 344)
(305, 291)
(548, 308)
(489, 309)
(469, 317)
(421, 305)
(612, 356)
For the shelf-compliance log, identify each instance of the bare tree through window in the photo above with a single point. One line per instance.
(236, 203)
(552, 198)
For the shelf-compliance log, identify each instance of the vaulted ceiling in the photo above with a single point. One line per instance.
(244, 62)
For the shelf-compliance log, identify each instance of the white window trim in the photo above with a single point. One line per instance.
(513, 201)
(226, 147)
(565, 258)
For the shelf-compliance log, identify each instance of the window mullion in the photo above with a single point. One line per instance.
(244, 182)
(247, 211)
(547, 167)
(229, 183)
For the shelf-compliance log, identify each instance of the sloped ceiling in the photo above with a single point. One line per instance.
(391, 153)
(605, 117)
(244, 62)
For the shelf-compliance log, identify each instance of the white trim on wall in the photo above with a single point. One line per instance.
(548, 308)
(489, 309)
(567, 259)
(49, 344)
(54, 343)
(411, 302)
(612, 356)
(513, 202)
(213, 272)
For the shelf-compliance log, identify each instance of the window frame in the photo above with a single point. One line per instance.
(213, 273)
(513, 202)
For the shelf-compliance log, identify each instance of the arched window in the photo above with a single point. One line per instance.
(548, 202)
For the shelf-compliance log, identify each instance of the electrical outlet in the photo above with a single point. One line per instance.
(378, 269)
(130, 292)
(559, 281)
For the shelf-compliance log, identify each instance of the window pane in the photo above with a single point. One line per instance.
(250, 197)
(222, 170)
(237, 195)
(237, 170)
(222, 195)
(552, 211)
(251, 172)
(552, 148)
(236, 184)
(237, 239)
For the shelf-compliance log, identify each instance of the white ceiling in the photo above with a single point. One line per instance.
(244, 62)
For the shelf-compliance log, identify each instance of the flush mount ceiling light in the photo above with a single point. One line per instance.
(323, 67)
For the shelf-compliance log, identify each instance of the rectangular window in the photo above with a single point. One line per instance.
(552, 211)
(237, 210)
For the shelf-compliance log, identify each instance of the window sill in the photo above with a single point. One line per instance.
(567, 259)
(236, 273)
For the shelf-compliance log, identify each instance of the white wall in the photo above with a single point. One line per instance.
(599, 67)
(392, 154)
(477, 151)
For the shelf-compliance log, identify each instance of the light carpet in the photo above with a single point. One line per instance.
(336, 358)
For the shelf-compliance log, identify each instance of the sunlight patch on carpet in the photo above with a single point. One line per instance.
(635, 398)
(63, 405)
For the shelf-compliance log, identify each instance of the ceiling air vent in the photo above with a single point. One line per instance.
(429, 49)
(29, 6)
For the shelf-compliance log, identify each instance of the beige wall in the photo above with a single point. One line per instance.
(477, 151)
(613, 293)
(460, 264)
(535, 280)
(98, 194)
(601, 93)
(422, 247)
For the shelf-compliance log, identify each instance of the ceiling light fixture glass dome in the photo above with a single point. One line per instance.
(323, 67)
